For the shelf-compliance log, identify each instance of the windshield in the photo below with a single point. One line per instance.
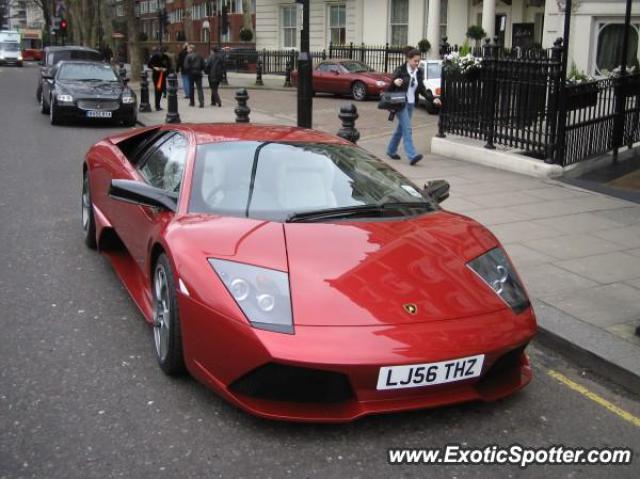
(10, 47)
(434, 71)
(276, 180)
(90, 55)
(356, 67)
(84, 72)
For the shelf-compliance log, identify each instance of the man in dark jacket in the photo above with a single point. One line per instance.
(408, 78)
(160, 63)
(180, 69)
(215, 71)
(194, 65)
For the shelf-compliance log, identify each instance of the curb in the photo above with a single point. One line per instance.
(589, 347)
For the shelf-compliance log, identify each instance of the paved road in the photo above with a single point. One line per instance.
(82, 397)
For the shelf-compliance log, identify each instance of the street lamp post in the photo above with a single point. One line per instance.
(305, 97)
(206, 26)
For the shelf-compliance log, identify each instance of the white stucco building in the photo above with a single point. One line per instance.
(595, 24)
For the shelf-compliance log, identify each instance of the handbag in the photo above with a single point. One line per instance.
(393, 101)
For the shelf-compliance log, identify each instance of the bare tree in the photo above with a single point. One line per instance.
(132, 38)
(45, 7)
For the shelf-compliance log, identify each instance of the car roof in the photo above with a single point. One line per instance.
(70, 47)
(224, 132)
(80, 62)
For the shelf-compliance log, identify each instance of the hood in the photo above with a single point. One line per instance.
(91, 89)
(376, 76)
(357, 274)
(10, 53)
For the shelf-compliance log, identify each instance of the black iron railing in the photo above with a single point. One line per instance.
(521, 101)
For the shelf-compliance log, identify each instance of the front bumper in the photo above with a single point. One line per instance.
(72, 111)
(238, 362)
(11, 61)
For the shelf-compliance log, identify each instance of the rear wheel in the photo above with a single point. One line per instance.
(88, 221)
(167, 334)
(359, 91)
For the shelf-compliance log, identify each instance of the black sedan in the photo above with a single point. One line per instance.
(87, 90)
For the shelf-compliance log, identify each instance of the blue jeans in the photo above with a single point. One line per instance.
(403, 131)
(186, 84)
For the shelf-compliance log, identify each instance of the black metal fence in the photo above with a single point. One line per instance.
(522, 102)
(381, 58)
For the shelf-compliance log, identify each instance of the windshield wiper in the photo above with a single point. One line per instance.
(348, 211)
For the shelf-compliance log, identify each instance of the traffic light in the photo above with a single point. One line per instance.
(63, 27)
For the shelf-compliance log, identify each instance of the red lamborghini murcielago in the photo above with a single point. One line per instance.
(302, 278)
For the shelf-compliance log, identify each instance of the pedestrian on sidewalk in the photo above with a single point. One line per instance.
(180, 69)
(194, 64)
(408, 78)
(215, 71)
(160, 65)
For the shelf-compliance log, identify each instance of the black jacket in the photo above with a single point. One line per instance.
(180, 61)
(193, 64)
(403, 73)
(160, 60)
(215, 67)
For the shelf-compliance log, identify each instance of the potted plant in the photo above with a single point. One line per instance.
(581, 89)
(476, 33)
(246, 35)
(424, 46)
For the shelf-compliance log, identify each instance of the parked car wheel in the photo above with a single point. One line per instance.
(167, 335)
(53, 115)
(88, 221)
(131, 121)
(43, 107)
(359, 91)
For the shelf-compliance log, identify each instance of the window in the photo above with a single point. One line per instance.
(399, 22)
(289, 26)
(444, 6)
(610, 39)
(163, 168)
(338, 24)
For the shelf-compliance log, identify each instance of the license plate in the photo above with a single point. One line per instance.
(98, 114)
(428, 374)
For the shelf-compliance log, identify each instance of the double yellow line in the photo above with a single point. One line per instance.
(627, 416)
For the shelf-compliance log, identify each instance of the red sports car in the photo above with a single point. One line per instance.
(302, 278)
(347, 77)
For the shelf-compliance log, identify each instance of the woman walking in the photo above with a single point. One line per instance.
(408, 78)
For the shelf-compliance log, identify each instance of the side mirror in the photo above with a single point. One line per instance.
(438, 190)
(139, 193)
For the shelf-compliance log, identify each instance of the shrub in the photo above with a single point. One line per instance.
(246, 35)
(424, 46)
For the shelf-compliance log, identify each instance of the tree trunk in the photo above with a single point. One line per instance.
(132, 39)
(247, 23)
(187, 21)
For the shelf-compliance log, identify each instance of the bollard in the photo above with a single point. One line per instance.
(287, 75)
(348, 116)
(242, 110)
(144, 93)
(172, 99)
(259, 81)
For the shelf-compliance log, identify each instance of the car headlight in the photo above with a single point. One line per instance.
(19, 58)
(127, 100)
(262, 294)
(64, 98)
(1, 57)
(381, 83)
(496, 270)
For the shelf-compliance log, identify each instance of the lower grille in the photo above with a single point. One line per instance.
(508, 363)
(279, 382)
(106, 105)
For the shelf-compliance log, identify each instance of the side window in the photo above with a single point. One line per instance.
(163, 167)
(323, 67)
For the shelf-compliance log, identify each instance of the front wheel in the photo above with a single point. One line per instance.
(88, 221)
(359, 91)
(167, 334)
(131, 121)
(53, 114)
(43, 107)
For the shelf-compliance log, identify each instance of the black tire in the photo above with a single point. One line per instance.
(131, 121)
(359, 91)
(167, 333)
(39, 92)
(88, 220)
(43, 107)
(54, 118)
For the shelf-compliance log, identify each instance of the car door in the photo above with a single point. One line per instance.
(335, 79)
(320, 78)
(162, 166)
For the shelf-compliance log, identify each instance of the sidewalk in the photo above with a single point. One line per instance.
(578, 251)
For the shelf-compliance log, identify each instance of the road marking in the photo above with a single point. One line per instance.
(627, 416)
